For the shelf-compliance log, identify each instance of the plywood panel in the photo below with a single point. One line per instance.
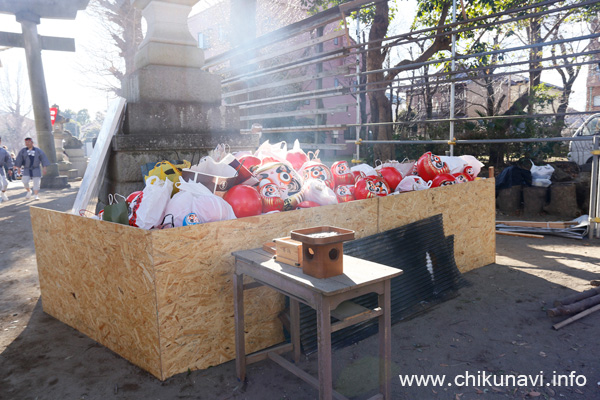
(194, 266)
(98, 278)
(163, 299)
(469, 215)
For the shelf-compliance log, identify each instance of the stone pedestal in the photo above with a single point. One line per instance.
(168, 40)
(64, 165)
(174, 108)
(78, 160)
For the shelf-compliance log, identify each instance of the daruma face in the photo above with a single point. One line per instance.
(287, 180)
(371, 186)
(270, 196)
(429, 166)
(443, 180)
(342, 174)
(315, 170)
(469, 172)
(460, 177)
(344, 193)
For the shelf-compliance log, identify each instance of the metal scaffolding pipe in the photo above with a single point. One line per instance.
(593, 210)
(453, 84)
(477, 141)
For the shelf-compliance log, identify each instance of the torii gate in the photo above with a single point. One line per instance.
(28, 14)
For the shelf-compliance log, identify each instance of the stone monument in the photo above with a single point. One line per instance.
(76, 153)
(174, 108)
(59, 134)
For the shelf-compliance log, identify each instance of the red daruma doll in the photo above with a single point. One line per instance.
(429, 166)
(392, 177)
(270, 196)
(345, 193)
(317, 170)
(342, 174)
(443, 180)
(370, 186)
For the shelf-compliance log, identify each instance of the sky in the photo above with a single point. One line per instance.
(69, 86)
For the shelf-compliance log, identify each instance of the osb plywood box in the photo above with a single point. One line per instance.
(163, 299)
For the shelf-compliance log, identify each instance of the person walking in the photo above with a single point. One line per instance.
(34, 161)
(5, 162)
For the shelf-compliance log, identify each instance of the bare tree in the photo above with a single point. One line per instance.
(14, 108)
(114, 54)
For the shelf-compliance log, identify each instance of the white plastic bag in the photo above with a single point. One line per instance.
(316, 190)
(198, 199)
(277, 151)
(411, 183)
(156, 195)
(405, 167)
(219, 152)
(473, 163)
(541, 171)
(366, 168)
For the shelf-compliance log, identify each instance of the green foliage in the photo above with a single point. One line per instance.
(83, 116)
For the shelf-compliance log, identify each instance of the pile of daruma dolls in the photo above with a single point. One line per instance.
(293, 180)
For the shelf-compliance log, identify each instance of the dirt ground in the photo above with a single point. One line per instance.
(497, 327)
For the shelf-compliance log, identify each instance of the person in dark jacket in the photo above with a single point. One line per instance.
(34, 163)
(5, 163)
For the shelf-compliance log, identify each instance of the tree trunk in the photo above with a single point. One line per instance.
(380, 105)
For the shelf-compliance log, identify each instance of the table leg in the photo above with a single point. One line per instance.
(295, 328)
(238, 315)
(385, 342)
(324, 343)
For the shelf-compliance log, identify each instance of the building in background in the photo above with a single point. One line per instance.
(213, 30)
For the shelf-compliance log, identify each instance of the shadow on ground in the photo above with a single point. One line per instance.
(496, 326)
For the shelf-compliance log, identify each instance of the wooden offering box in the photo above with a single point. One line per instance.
(163, 299)
(323, 247)
(288, 251)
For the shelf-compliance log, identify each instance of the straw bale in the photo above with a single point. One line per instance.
(98, 278)
(469, 215)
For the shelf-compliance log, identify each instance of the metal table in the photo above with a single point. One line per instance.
(329, 297)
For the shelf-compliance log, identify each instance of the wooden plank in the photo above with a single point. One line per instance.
(108, 294)
(364, 317)
(311, 380)
(519, 234)
(297, 113)
(385, 341)
(94, 172)
(252, 285)
(357, 273)
(324, 348)
(348, 310)
(238, 316)
(295, 328)
(534, 224)
(264, 354)
(576, 317)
